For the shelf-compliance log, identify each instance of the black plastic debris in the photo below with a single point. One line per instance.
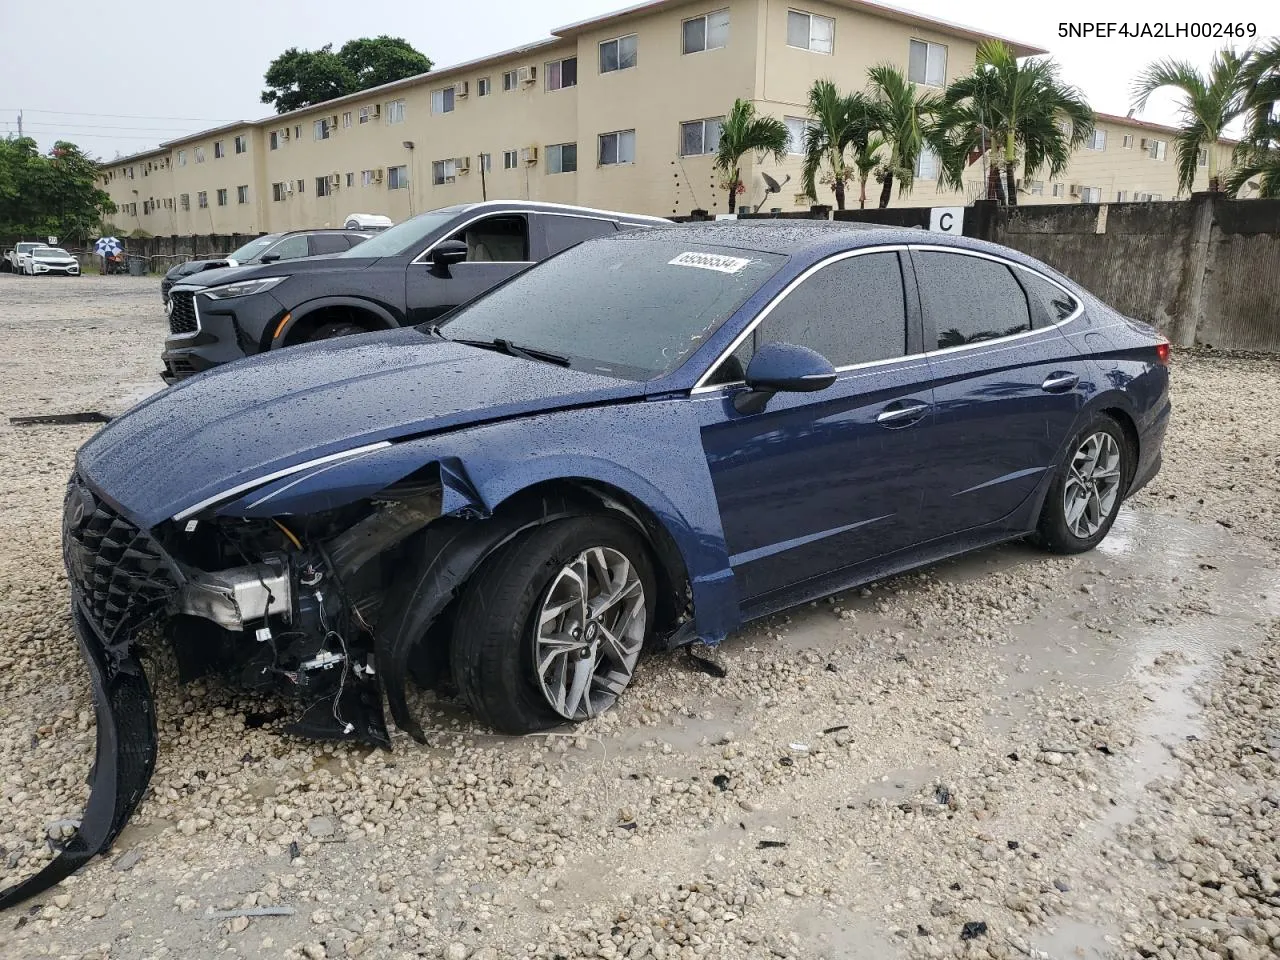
(1013, 757)
(786, 761)
(630, 825)
(956, 885)
(770, 844)
(836, 729)
(60, 419)
(942, 794)
(721, 781)
(922, 930)
(973, 929)
(1013, 844)
(294, 850)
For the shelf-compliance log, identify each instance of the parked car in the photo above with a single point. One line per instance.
(411, 273)
(15, 260)
(650, 439)
(46, 260)
(269, 248)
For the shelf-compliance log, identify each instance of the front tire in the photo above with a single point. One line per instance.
(337, 328)
(1088, 488)
(550, 627)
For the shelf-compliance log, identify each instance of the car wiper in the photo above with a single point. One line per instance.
(507, 347)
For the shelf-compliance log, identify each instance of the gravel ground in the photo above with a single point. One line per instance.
(1005, 755)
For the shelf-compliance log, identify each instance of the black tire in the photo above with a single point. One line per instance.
(336, 328)
(492, 650)
(1053, 531)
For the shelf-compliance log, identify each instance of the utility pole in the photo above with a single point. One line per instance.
(19, 124)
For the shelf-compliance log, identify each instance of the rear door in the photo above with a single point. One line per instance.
(327, 244)
(1007, 385)
(554, 232)
(497, 248)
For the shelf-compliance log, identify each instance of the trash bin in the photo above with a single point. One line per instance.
(137, 266)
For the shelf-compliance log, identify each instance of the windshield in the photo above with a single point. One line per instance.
(405, 237)
(634, 306)
(253, 248)
(26, 247)
(51, 253)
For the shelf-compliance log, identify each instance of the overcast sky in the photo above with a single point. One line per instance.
(123, 77)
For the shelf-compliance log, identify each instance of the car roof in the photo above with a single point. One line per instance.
(537, 206)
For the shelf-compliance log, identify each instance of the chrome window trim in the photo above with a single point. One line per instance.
(515, 211)
(287, 471)
(701, 385)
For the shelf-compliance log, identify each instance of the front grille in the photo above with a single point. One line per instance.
(182, 313)
(117, 569)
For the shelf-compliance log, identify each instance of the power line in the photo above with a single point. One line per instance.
(101, 126)
(39, 134)
(116, 116)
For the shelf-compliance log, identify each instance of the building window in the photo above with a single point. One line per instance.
(278, 191)
(274, 140)
(1122, 196)
(219, 149)
(182, 158)
(619, 54)
(1127, 141)
(486, 163)
(927, 164)
(1091, 195)
(510, 159)
(395, 111)
(242, 193)
(443, 171)
(351, 179)
(700, 136)
(510, 80)
(562, 158)
(184, 201)
(199, 159)
(1037, 188)
(927, 63)
(442, 100)
(797, 129)
(809, 31)
(1156, 149)
(708, 32)
(202, 199)
(366, 178)
(242, 144)
(346, 119)
(1059, 190)
(397, 177)
(297, 131)
(1202, 157)
(617, 147)
(484, 87)
(301, 185)
(364, 114)
(562, 73)
(1099, 140)
(322, 129)
(322, 187)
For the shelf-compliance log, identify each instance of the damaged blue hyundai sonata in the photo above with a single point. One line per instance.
(643, 442)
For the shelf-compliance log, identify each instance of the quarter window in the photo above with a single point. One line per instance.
(810, 32)
(1049, 304)
(927, 63)
(708, 32)
(562, 73)
(969, 299)
(563, 232)
(618, 54)
(562, 158)
(700, 136)
(617, 147)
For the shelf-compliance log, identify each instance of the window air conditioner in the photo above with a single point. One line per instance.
(529, 154)
(527, 74)
(377, 111)
(288, 187)
(1142, 144)
(335, 180)
(333, 121)
(462, 164)
(284, 134)
(462, 89)
(1075, 190)
(377, 175)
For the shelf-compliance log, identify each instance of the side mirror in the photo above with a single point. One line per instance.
(783, 368)
(448, 252)
(270, 258)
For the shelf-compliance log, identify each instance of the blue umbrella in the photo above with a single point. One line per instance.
(107, 247)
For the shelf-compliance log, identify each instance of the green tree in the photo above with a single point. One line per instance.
(906, 123)
(865, 160)
(302, 78)
(744, 132)
(1256, 158)
(1208, 102)
(54, 194)
(838, 122)
(1012, 112)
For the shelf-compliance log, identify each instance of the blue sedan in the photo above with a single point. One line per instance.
(645, 441)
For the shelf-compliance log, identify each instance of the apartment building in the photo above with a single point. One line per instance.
(619, 111)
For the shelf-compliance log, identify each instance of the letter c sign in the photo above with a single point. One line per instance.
(947, 220)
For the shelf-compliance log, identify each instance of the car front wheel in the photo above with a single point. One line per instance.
(550, 628)
(1086, 493)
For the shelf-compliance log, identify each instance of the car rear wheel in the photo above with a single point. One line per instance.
(551, 626)
(1086, 493)
(336, 328)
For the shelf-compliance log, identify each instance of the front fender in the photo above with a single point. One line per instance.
(386, 317)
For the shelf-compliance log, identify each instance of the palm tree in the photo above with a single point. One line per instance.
(743, 132)
(1256, 165)
(866, 159)
(905, 123)
(1010, 112)
(1208, 103)
(1257, 158)
(838, 122)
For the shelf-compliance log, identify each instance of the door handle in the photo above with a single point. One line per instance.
(1059, 382)
(901, 413)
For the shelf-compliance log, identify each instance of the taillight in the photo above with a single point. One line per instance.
(1162, 353)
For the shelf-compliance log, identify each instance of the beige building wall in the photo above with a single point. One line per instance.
(665, 88)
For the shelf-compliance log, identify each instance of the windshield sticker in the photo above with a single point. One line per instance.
(710, 261)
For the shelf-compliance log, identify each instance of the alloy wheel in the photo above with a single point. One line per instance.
(589, 632)
(1092, 485)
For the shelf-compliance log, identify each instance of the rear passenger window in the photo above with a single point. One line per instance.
(850, 311)
(1049, 304)
(564, 232)
(322, 243)
(969, 299)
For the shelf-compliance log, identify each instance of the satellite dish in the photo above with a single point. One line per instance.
(771, 185)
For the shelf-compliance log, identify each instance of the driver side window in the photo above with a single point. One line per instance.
(502, 239)
(851, 311)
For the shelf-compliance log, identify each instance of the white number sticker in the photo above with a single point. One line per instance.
(710, 261)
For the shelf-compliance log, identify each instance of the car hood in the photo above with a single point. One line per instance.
(279, 268)
(45, 259)
(241, 422)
